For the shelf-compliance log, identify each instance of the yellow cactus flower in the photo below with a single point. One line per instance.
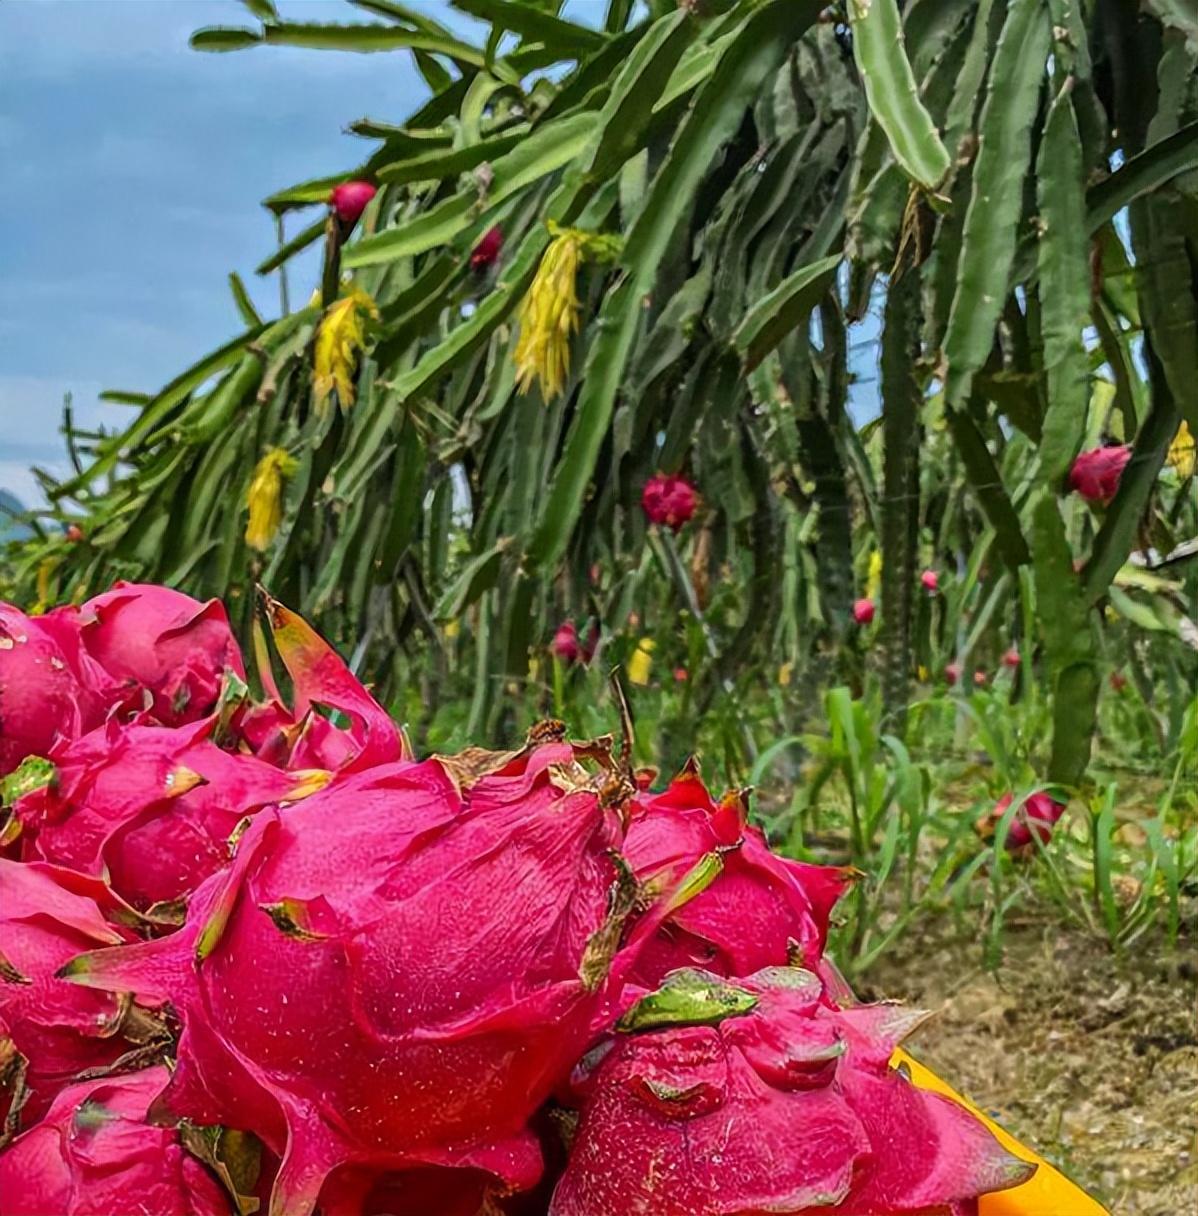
(452, 629)
(922, 673)
(784, 674)
(641, 662)
(873, 579)
(549, 317)
(1181, 451)
(340, 338)
(265, 499)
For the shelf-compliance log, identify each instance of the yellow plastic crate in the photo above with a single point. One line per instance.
(1047, 1193)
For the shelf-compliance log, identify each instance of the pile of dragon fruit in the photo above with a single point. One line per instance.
(256, 956)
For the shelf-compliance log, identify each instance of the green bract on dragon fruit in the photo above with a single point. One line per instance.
(256, 956)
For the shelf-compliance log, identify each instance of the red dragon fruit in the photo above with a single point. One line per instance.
(1096, 474)
(395, 972)
(42, 695)
(486, 252)
(47, 916)
(761, 911)
(863, 611)
(174, 647)
(150, 808)
(96, 1153)
(670, 501)
(1039, 815)
(349, 200)
(299, 737)
(757, 1098)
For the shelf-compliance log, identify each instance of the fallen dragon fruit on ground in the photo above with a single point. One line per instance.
(256, 956)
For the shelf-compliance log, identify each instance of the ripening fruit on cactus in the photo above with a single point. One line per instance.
(565, 645)
(752, 1098)
(486, 252)
(1039, 815)
(669, 501)
(42, 694)
(47, 916)
(760, 911)
(930, 581)
(863, 611)
(153, 638)
(97, 1153)
(150, 809)
(1011, 658)
(349, 200)
(1118, 681)
(1096, 474)
(394, 972)
(952, 674)
(74, 533)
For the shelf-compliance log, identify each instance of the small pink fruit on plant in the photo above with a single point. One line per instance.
(486, 252)
(980, 678)
(74, 533)
(669, 501)
(396, 971)
(1096, 474)
(1011, 658)
(1038, 815)
(1118, 681)
(565, 644)
(863, 611)
(952, 673)
(931, 581)
(47, 916)
(154, 638)
(96, 1153)
(680, 675)
(349, 200)
(753, 1097)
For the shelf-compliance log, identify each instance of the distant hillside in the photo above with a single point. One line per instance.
(9, 528)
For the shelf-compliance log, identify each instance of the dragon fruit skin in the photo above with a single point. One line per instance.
(300, 738)
(416, 985)
(47, 916)
(757, 912)
(95, 1154)
(149, 807)
(42, 698)
(782, 1106)
(151, 637)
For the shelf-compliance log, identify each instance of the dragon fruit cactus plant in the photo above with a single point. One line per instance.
(97, 1152)
(394, 972)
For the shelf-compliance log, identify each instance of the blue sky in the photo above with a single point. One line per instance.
(132, 172)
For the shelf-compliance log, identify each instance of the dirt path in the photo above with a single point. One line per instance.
(1091, 1060)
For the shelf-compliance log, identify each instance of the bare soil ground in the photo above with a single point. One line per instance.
(1090, 1059)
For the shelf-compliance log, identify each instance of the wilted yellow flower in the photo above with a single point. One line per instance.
(873, 579)
(265, 498)
(549, 316)
(341, 335)
(784, 674)
(641, 662)
(922, 673)
(1181, 451)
